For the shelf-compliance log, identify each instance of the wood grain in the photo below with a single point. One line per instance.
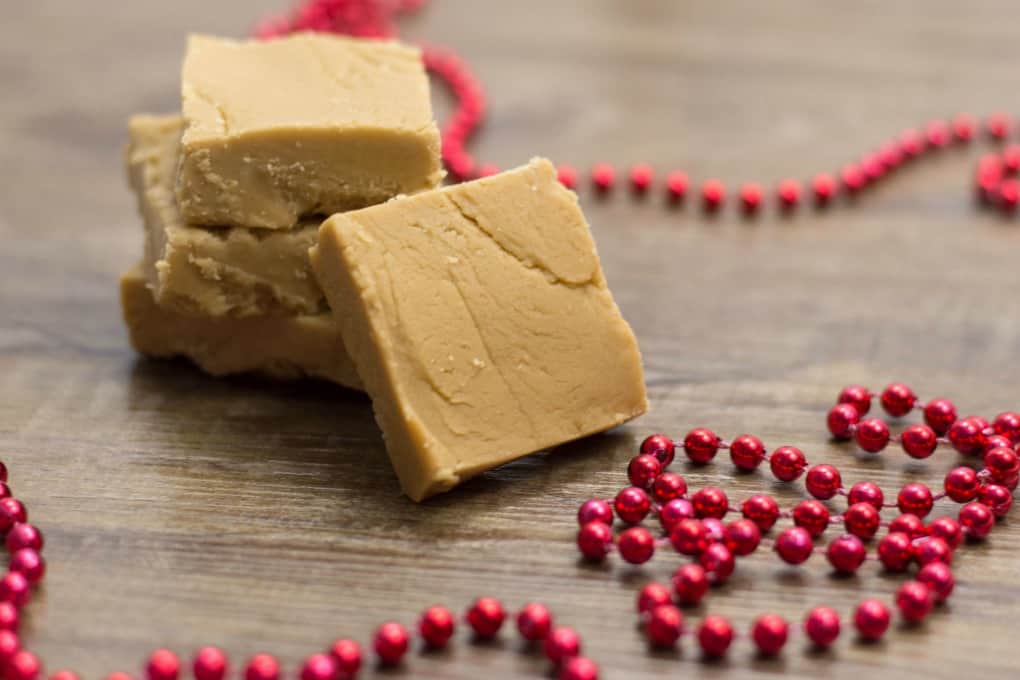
(182, 510)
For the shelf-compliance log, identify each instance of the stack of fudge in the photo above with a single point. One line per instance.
(294, 227)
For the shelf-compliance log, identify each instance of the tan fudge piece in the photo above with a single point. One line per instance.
(282, 346)
(307, 124)
(213, 272)
(480, 323)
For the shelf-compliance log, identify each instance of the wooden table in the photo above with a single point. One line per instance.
(181, 510)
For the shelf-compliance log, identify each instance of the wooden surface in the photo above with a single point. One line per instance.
(182, 510)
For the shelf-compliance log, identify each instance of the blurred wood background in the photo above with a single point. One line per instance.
(181, 510)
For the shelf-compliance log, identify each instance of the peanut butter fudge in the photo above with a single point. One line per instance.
(306, 124)
(281, 346)
(480, 322)
(213, 272)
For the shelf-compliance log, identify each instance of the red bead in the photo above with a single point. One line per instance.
(788, 193)
(653, 595)
(595, 510)
(676, 185)
(162, 665)
(347, 654)
(787, 463)
(715, 634)
(689, 537)
(937, 134)
(762, 510)
(1011, 159)
(995, 441)
(751, 197)
(436, 626)
(824, 187)
(1009, 195)
(632, 504)
(9, 617)
(23, 665)
(823, 481)
(567, 175)
(866, 492)
(660, 446)
(701, 445)
(594, 540)
(713, 193)
(948, 529)
(710, 502)
(891, 155)
(940, 414)
(664, 626)
(939, 579)
(486, 616)
(862, 520)
(871, 619)
(915, 498)
(1002, 463)
(391, 641)
(690, 583)
(715, 530)
(914, 600)
(931, 549)
(962, 484)
(24, 536)
(822, 626)
(1008, 425)
(669, 486)
(262, 667)
(641, 177)
(9, 645)
(812, 516)
(534, 621)
(603, 176)
(996, 497)
(999, 125)
(896, 551)
(794, 545)
(579, 668)
(919, 441)
(841, 420)
(210, 663)
(872, 435)
(857, 396)
(318, 667)
(29, 563)
(674, 511)
(967, 436)
(852, 177)
(718, 563)
(975, 519)
(873, 167)
(964, 125)
(643, 470)
(747, 452)
(15, 588)
(561, 644)
(12, 512)
(846, 553)
(742, 537)
(909, 524)
(636, 545)
(769, 633)
(912, 143)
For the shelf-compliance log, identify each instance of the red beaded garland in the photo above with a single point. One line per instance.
(866, 492)
(595, 510)
(747, 452)
(787, 463)
(674, 511)
(1002, 463)
(975, 519)
(919, 441)
(632, 504)
(862, 520)
(643, 470)
(660, 446)
(762, 510)
(24, 536)
(29, 563)
(812, 516)
(909, 524)
(668, 486)
(823, 481)
(897, 399)
(857, 396)
(842, 420)
(689, 537)
(23, 665)
(701, 445)
(742, 537)
(718, 563)
(940, 414)
(948, 529)
(997, 497)
(967, 435)
(872, 435)
(594, 540)
(15, 588)
(9, 617)
(710, 502)
(794, 545)
(939, 579)
(916, 499)
(962, 484)
(846, 553)
(932, 549)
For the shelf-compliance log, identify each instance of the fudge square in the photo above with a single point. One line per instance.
(480, 323)
(307, 124)
(213, 272)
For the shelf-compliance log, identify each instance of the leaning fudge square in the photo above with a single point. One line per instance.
(480, 323)
(306, 124)
(226, 271)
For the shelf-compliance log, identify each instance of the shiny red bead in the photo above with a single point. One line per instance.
(787, 463)
(23, 536)
(594, 540)
(873, 167)
(676, 185)
(436, 626)
(660, 446)
(939, 579)
(822, 626)
(265, 667)
(747, 452)
(967, 435)
(769, 633)
(912, 144)
(862, 520)
(674, 511)
(842, 419)
(962, 484)
(824, 188)
(891, 155)
(664, 626)
(999, 125)
(603, 176)
(641, 177)
(896, 551)
(567, 175)
(701, 445)
(909, 524)
(689, 537)
(162, 664)
(762, 510)
(872, 435)
(643, 470)
(561, 644)
(742, 537)
(12, 511)
(9, 617)
(710, 502)
(866, 492)
(595, 510)
(940, 414)
(718, 563)
(995, 441)
(964, 126)
(1009, 195)
(852, 177)
(210, 663)
(1011, 159)
(794, 545)
(668, 486)
(29, 563)
(391, 641)
(932, 549)
(976, 520)
(632, 504)
(23, 665)
(996, 497)
(788, 193)
(823, 481)
(919, 441)
(914, 600)
(1008, 425)
(347, 654)
(751, 195)
(846, 553)
(714, 529)
(713, 193)
(579, 668)
(9, 646)
(937, 134)
(948, 529)
(534, 621)
(652, 595)
(318, 667)
(690, 584)
(812, 516)
(715, 634)
(871, 619)
(857, 396)
(916, 499)
(15, 588)
(1002, 463)
(636, 545)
